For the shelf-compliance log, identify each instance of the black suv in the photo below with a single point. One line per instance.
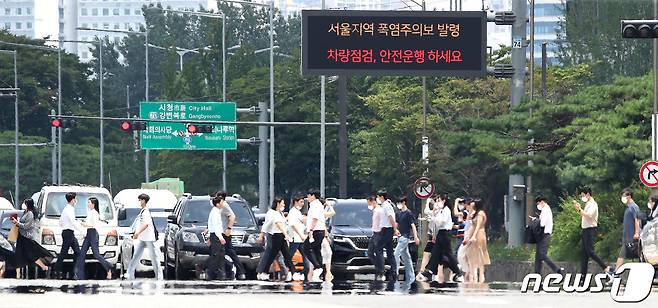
(184, 245)
(351, 231)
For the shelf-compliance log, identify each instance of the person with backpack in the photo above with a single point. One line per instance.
(146, 233)
(631, 228)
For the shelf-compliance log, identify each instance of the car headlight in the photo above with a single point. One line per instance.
(47, 237)
(190, 237)
(111, 239)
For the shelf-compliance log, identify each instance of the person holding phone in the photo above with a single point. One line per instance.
(589, 224)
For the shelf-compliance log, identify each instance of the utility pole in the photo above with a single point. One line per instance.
(59, 111)
(16, 153)
(515, 204)
(101, 76)
(147, 154)
(654, 150)
(262, 159)
(271, 17)
(53, 141)
(322, 129)
(342, 136)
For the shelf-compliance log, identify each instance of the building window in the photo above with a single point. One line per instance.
(7, 25)
(106, 26)
(85, 54)
(106, 12)
(117, 40)
(84, 38)
(19, 11)
(115, 12)
(126, 26)
(94, 12)
(29, 25)
(138, 12)
(28, 11)
(116, 27)
(126, 12)
(83, 11)
(7, 11)
(19, 26)
(85, 25)
(95, 26)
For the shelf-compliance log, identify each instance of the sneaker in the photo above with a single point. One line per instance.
(424, 276)
(242, 277)
(458, 278)
(263, 276)
(610, 271)
(316, 275)
(561, 271)
(298, 277)
(380, 278)
(289, 277)
(420, 277)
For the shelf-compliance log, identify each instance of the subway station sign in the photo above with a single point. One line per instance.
(394, 43)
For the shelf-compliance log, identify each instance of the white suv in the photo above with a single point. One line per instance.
(52, 201)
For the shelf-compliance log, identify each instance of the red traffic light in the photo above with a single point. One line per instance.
(56, 123)
(126, 126)
(192, 129)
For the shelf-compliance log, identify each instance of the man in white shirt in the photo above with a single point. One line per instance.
(145, 233)
(69, 225)
(316, 227)
(298, 231)
(543, 243)
(228, 220)
(375, 253)
(389, 229)
(215, 262)
(589, 224)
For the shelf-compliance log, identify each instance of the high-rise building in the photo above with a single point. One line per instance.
(124, 15)
(548, 14)
(291, 7)
(18, 17)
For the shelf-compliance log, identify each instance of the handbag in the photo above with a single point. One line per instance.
(632, 250)
(13, 234)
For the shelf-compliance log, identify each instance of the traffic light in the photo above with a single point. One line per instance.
(62, 123)
(199, 128)
(639, 28)
(128, 126)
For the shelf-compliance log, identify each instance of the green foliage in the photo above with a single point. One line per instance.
(498, 250)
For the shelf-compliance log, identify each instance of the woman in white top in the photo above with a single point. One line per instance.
(276, 223)
(326, 251)
(92, 222)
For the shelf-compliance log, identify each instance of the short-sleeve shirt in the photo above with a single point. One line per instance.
(316, 210)
(405, 219)
(273, 217)
(225, 213)
(388, 212)
(148, 235)
(631, 213)
(295, 219)
(93, 219)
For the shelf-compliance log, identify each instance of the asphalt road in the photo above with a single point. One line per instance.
(186, 294)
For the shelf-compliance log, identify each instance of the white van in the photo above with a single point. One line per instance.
(161, 204)
(52, 201)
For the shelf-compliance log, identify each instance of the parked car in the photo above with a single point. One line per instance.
(161, 204)
(351, 231)
(50, 205)
(185, 246)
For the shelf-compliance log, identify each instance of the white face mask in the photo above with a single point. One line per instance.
(584, 199)
(624, 199)
(461, 207)
(539, 206)
(399, 206)
(650, 205)
(23, 207)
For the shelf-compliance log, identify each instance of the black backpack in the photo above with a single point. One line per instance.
(155, 230)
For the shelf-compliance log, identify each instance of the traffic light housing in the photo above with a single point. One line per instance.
(128, 126)
(199, 128)
(639, 28)
(62, 123)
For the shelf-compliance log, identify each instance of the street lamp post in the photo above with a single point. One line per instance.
(146, 82)
(271, 13)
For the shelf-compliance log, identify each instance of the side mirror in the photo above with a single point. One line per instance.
(171, 219)
(122, 214)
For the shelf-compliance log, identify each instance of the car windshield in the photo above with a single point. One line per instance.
(57, 201)
(196, 211)
(131, 214)
(242, 213)
(354, 214)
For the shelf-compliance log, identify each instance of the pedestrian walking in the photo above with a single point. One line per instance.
(631, 228)
(146, 234)
(388, 230)
(228, 221)
(459, 220)
(316, 228)
(69, 225)
(441, 252)
(279, 239)
(374, 251)
(326, 251)
(589, 225)
(430, 211)
(215, 264)
(298, 232)
(28, 250)
(544, 242)
(406, 221)
(476, 243)
(651, 204)
(92, 222)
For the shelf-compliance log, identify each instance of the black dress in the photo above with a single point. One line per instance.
(28, 250)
